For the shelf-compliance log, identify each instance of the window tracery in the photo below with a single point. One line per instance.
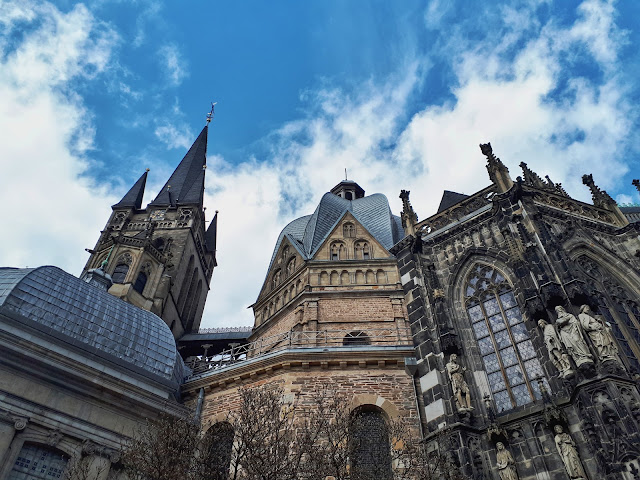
(275, 281)
(618, 309)
(369, 446)
(503, 339)
(338, 251)
(362, 250)
(349, 230)
(291, 266)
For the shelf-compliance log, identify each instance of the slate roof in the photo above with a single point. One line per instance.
(449, 199)
(70, 310)
(632, 213)
(210, 236)
(133, 198)
(186, 184)
(308, 233)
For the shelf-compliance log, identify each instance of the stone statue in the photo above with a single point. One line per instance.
(599, 333)
(458, 384)
(505, 463)
(567, 450)
(554, 347)
(571, 336)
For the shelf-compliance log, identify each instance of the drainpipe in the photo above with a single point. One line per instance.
(411, 368)
(198, 413)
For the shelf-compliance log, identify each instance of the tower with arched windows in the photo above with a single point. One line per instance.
(524, 306)
(161, 258)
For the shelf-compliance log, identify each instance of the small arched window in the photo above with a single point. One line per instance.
(120, 273)
(503, 339)
(275, 281)
(158, 243)
(338, 251)
(369, 445)
(217, 446)
(291, 266)
(140, 282)
(285, 253)
(362, 250)
(349, 230)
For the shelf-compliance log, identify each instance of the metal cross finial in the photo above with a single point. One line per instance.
(212, 112)
(345, 174)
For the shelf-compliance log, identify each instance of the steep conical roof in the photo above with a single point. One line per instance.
(133, 198)
(210, 236)
(187, 182)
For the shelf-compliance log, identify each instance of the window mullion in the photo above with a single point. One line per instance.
(515, 347)
(498, 357)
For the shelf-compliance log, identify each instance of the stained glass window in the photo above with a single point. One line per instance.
(499, 327)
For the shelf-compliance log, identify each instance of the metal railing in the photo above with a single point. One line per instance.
(299, 339)
(224, 330)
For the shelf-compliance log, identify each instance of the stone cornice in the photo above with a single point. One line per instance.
(369, 357)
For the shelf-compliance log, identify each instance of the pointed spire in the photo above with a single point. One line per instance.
(636, 183)
(133, 198)
(498, 171)
(603, 200)
(408, 215)
(187, 181)
(531, 177)
(211, 236)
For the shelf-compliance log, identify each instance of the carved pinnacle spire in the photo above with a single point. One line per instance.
(600, 197)
(531, 177)
(636, 183)
(556, 187)
(498, 172)
(408, 215)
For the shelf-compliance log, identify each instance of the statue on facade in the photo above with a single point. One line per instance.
(559, 359)
(458, 384)
(567, 450)
(571, 336)
(599, 333)
(505, 463)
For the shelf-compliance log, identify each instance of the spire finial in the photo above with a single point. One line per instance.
(211, 113)
(498, 172)
(408, 215)
(147, 169)
(345, 175)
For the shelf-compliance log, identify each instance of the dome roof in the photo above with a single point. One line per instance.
(308, 233)
(69, 309)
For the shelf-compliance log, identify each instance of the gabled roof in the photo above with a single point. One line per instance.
(186, 184)
(449, 199)
(308, 233)
(133, 198)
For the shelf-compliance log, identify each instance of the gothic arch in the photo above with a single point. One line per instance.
(622, 273)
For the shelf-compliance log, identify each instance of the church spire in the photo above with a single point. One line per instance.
(186, 184)
(133, 198)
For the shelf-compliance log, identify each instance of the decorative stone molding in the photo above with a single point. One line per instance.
(53, 437)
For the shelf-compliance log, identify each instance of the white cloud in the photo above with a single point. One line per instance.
(174, 136)
(52, 210)
(174, 65)
(513, 90)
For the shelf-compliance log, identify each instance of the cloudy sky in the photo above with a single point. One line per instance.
(399, 93)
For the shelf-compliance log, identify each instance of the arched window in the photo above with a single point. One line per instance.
(507, 352)
(140, 282)
(285, 253)
(193, 308)
(362, 250)
(35, 462)
(291, 266)
(619, 310)
(158, 243)
(217, 446)
(369, 446)
(182, 297)
(120, 273)
(275, 280)
(338, 251)
(349, 230)
(356, 338)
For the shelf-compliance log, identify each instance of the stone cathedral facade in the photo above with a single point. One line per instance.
(524, 306)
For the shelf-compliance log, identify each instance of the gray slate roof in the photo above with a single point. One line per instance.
(133, 198)
(69, 309)
(449, 199)
(186, 184)
(632, 213)
(309, 232)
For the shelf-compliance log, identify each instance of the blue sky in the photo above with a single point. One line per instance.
(400, 93)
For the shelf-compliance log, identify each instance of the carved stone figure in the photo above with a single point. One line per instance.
(567, 450)
(458, 384)
(571, 336)
(554, 347)
(505, 463)
(599, 333)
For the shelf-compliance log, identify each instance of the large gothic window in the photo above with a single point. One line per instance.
(619, 310)
(120, 273)
(35, 462)
(507, 352)
(369, 447)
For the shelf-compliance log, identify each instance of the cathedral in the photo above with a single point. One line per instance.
(505, 327)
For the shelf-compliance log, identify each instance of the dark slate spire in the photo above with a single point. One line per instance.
(187, 182)
(211, 235)
(133, 198)
(449, 199)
